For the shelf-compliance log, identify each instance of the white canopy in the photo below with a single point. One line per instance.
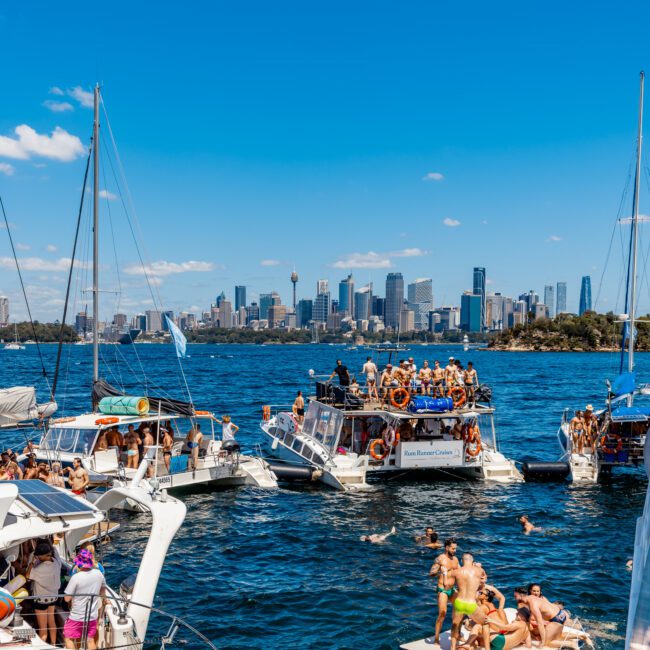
(18, 404)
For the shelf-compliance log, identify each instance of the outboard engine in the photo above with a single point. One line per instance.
(231, 446)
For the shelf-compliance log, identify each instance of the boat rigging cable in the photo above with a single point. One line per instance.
(22, 286)
(72, 261)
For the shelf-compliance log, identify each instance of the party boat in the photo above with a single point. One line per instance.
(32, 511)
(617, 435)
(214, 463)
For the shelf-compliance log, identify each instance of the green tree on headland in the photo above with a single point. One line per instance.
(45, 332)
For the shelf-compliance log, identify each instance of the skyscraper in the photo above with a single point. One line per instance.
(470, 312)
(362, 302)
(322, 286)
(4, 311)
(420, 302)
(549, 299)
(294, 282)
(240, 297)
(304, 312)
(478, 289)
(394, 299)
(585, 294)
(265, 303)
(321, 307)
(346, 296)
(560, 297)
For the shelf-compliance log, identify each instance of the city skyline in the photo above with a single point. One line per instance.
(423, 164)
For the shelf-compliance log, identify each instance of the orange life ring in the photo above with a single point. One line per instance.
(374, 454)
(403, 403)
(607, 450)
(266, 412)
(107, 421)
(458, 395)
(201, 412)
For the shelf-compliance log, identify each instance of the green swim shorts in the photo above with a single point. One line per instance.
(449, 592)
(498, 643)
(465, 607)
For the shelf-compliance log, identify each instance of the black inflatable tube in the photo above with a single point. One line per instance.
(537, 471)
(291, 472)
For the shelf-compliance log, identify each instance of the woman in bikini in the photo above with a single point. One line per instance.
(167, 444)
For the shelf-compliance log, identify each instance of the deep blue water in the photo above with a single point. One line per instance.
(285, 569)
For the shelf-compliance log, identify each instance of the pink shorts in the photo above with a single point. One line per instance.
(74, 629)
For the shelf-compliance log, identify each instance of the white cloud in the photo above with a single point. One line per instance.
(452, 223)
(433, 176)
(270, 263)
(39, 264)
(554, 238)
(105, 194)
(61, 145)
(6, 168)
(162, 268)
(51, 248)
(23, 247)
(368, 260)
(55, 90)
(84, 97)
(409, 252)
(58, 107)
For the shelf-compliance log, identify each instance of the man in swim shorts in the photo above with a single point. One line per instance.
(299, 407)
(450, 374)
(577, 431)
(77, 477)
(370, 371)
(425, 376)
(549, 618)
(443, 567)
(438, 375)
(468, 580)
(591, 427)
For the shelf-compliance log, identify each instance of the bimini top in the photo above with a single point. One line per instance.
(631, 414)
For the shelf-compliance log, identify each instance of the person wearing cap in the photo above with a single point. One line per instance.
(591, 426)
(450, 375)
(84, 591)
(45, 573)
(386, 381)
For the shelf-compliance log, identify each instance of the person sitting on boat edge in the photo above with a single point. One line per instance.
(342, 372)
(550, 619)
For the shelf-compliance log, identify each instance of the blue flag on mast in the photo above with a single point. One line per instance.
(180, 342)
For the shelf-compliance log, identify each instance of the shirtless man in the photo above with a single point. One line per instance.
(549, 618)
(132, 440)
(167, 444)
(443, 567)
(425, 376)
(450, 374)
(591, 427)
(193, 441)
(468, 580)
(438, 376)
(401, 375)
(114, 438)
(102, 442)
(370, 371)
(31, 469)
(429, 539)
(377, 538)
(577, 431)
(471, 381)
(77, 477)
(527, 526)
(148, 442)
(387, 380)
(298, 407)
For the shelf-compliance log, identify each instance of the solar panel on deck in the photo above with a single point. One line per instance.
(48, 500)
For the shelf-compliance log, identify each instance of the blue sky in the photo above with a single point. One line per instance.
(258, 136)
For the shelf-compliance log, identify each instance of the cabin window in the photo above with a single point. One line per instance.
(74, 441)
(288, 439)
(296, 445)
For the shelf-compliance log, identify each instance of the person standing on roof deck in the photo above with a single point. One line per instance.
(450, 375)
(342, 372)
(84, 592)
(438, 376)
(370, 371)
(468, 580)
(471, 382)
(424, 377)
(77, 477)
(386, 381)
(132, 440)
(446, 588)
(298, 407)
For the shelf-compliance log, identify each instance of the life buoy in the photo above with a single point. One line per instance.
(400, 403)
(458, 395)
(63, 420)
(608, 450)
(266, 412)
(107, 421)
(375, 443)
(201, 412)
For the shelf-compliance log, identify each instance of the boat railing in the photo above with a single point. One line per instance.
(115, 627)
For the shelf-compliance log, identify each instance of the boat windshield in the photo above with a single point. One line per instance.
(323, 423)
(68, 440)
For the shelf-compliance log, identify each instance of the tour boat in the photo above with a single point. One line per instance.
(345, 436)
(69, 437)
(32, 510)
(622, 423)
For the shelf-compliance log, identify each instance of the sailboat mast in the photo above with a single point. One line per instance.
(96, 238)
(635, 231)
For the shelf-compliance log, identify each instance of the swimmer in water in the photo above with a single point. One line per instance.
(377, 538)
(526, 525)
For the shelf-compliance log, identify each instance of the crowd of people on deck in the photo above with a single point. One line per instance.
(433, 381)
(78, 590)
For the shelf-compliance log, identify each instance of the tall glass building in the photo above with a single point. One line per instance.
(549, 299)
(478, 289)
(585, 294)
(420, 302)
(560, 298)
(394, 299)
(346, 296)
(240, 297)
(470, 312)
